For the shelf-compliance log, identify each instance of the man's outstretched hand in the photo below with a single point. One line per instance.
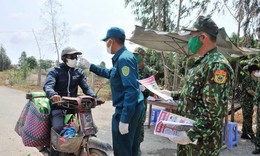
(84, 63)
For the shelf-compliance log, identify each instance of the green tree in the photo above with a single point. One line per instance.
(155, 14)
(25, 70)
(247, 15)
(154, 61)
(22, 58)
(4, 59)
(32, 62)
(26, 64)
(160, 15)
(46, 64)
(251, 21)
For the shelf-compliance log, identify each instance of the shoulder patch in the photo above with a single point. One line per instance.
(125, 70)
(220, 76)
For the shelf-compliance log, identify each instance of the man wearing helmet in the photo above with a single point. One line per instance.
(64, 81)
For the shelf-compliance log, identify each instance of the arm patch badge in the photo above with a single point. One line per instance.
(125, 70)
(220, 76)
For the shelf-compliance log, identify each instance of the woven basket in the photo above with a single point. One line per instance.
(21, 120)
(36, 129)
(68, 145)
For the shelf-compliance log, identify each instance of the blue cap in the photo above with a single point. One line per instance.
(114, 32)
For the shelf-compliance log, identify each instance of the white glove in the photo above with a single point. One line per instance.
(182, 138)
(166, 92)
(123, 128)
(255, 108)
(142, 87)
(84, 63)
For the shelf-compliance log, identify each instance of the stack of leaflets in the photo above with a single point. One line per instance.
(171, 125)
(152, 86)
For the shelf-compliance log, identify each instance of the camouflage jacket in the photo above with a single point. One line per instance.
(257, 95)
(248, 83)
(145, 72)
(205, 95)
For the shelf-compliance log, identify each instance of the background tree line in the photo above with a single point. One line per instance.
(164, 15)
(173, 15)
(5, 61)
(21, 71)
(28, 65)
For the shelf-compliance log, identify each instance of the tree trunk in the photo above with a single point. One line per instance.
(240, 17)
(166, 74)
(177, 57)
(54, 32)
(39, 80)
(238, 33)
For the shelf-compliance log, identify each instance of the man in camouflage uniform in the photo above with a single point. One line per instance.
(144, 72)
(248, 87)
(205, 95)
(256, 109)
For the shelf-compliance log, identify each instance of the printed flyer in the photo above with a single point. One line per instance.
(152, 86)
(171, 125)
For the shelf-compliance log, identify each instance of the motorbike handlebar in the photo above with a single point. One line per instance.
(78, 103)
(29, 96)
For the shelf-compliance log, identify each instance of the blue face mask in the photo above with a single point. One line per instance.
(194, 44)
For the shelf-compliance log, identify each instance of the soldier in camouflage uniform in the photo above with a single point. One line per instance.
(257, 109)
(144, 72)
(205, 95)
(248, 87)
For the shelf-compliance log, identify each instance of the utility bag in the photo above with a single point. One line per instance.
(34, 122)
(68, 145)
(21, 119)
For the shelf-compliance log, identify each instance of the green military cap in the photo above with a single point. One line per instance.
(139, 50)
(205, 24)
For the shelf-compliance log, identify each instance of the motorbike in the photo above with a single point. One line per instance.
(85, 143)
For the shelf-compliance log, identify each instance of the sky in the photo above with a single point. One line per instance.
(87, 22)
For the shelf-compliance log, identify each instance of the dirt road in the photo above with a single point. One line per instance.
(11, 144)
(12, 102)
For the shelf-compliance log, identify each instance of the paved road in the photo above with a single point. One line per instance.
(12, 102)
(11, 144)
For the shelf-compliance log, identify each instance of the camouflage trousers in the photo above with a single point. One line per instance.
(143, 121)
(257, 140)
(208, 146)
(247, 110)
